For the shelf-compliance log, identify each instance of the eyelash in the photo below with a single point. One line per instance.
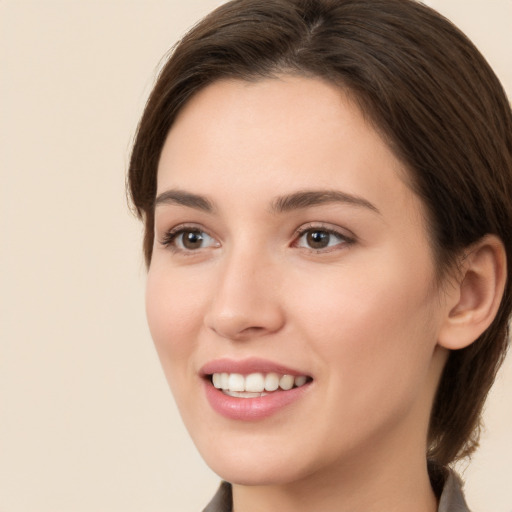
(343, 239)
(170, 238)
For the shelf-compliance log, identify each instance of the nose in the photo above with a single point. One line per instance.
(245, 302)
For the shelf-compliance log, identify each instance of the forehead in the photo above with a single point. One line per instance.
(284, 130)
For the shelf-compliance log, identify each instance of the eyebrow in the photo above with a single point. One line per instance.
(308, 198)
(296, 201)
(182, 198)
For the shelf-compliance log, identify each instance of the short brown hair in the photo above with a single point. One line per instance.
(429, 93)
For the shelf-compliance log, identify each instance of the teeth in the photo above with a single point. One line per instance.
(217, 380)
(243, 394)
(271, 382)
(255, 384)
(286, 382)
(236, 382)
(300, 381)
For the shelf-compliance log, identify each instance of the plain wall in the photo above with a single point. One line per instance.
(86, 420)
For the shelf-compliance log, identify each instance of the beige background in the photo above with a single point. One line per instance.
(86, 420)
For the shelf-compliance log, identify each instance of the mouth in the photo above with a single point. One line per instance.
(252, 389)
(257, 384)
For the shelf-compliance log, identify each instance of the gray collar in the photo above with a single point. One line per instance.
(452, 497)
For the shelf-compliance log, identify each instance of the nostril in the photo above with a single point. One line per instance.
(252, 330)
(232, 331)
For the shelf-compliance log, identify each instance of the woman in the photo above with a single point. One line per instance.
(326, 190)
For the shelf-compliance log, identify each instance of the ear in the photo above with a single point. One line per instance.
(476, 295)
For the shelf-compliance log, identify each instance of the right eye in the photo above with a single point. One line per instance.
(188, 239)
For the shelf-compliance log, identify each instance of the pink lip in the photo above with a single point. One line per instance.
(249, 409)
(246, 366)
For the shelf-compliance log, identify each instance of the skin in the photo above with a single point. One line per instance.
(361, 316)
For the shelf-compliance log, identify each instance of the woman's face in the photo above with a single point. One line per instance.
(287, 243)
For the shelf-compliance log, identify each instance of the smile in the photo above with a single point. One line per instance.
(253, 389)
(255, 384)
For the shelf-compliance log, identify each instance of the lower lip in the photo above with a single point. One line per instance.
(251, 409)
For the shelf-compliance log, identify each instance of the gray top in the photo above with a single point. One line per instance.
(451, 500)
(452, 497)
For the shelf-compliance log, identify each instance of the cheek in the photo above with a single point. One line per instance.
(378, 324)
(172, 313)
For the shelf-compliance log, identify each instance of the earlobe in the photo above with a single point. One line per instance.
(476, 297)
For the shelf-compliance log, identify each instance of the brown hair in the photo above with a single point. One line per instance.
(429, 93)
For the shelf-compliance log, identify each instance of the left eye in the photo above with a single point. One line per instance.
(318, 239)
(190, 240)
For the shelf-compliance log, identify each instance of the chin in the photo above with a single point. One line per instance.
(253, 466)
(254, 473)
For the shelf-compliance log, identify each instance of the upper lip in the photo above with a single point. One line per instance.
(246, 367)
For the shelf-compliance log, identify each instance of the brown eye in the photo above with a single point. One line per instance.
(318, 239)
(189, 239)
